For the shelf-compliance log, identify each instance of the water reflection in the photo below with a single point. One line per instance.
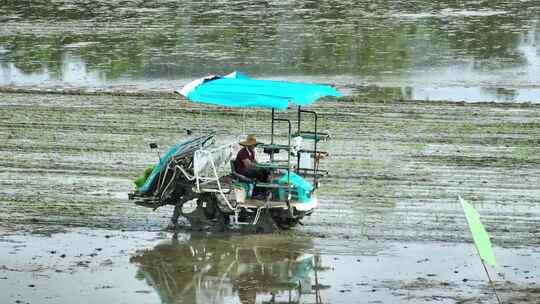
(73, 71)
(247, 269)
(417, 44)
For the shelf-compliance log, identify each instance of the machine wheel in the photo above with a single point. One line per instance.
(266, 223)
(207, 215)
(286, 223)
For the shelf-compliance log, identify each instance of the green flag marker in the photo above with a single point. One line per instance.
(480, 236)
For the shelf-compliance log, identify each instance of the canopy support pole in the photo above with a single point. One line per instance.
(272, 133)
(299, 134)
(272, 130)
(289, 194)
(316, 152)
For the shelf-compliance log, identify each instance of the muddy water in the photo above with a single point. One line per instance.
(420, 50)
(146, 267)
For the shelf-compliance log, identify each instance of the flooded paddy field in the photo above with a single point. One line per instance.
(389, 206)
(85, 86)
(420, 50)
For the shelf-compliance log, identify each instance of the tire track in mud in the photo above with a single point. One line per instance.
(396, 168)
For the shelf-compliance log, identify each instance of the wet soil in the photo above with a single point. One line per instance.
(396, 169)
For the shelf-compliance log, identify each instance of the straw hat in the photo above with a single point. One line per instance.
(251, 140)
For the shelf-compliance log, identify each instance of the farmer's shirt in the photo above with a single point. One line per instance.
(243, 154)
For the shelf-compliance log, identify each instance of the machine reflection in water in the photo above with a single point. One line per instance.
(241, 269)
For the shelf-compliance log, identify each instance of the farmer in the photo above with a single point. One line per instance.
(245, 160)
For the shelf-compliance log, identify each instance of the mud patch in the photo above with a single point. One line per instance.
(70, 160)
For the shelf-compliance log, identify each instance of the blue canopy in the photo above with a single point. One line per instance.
(238, 90)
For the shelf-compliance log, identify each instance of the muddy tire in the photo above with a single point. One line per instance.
(266, 224)
(286, 223)
(207, 215)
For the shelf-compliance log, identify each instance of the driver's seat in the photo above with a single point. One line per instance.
(239, 177)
